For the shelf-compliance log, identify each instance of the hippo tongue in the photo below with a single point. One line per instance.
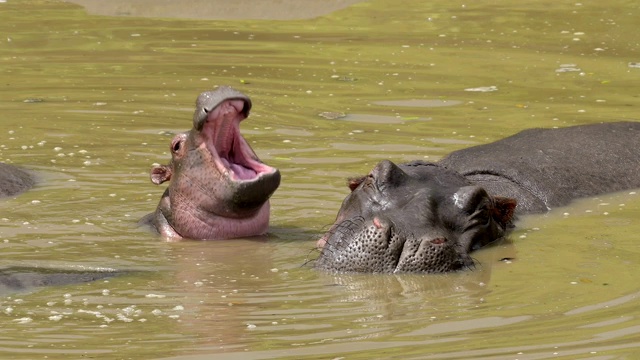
(242, 172)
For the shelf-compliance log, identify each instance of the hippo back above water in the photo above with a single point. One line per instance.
(429, 217)
(219, 188)
(13, 180)
(547, 168)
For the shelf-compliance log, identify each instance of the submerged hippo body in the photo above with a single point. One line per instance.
(17, 279)
(219, 188)
(429, 217)
(13, 180)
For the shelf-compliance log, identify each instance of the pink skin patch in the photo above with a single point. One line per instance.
(231, 153)
(321, 242)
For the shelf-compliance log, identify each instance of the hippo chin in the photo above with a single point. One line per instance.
(219, 188)
(429, 217)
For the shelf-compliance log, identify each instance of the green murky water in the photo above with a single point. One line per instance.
(91, 102)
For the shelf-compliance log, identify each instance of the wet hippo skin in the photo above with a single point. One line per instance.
(428, 217)
(13, 180)
(27, 279)
(218, 189)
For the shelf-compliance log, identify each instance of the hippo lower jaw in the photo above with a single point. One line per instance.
(190, 224)
(211, 226)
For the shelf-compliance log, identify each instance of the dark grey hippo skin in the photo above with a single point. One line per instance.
(13, 180)
(547, 168)
(219, 188)
(28, 279)
(429, 217)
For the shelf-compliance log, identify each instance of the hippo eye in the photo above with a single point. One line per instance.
(176, 146)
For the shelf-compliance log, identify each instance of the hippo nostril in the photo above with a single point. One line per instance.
(438, 241)
(206, 111)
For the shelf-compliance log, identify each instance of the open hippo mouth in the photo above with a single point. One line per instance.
(220, 129)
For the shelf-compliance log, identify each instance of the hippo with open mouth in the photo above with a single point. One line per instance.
(429, 217)
(219, 188)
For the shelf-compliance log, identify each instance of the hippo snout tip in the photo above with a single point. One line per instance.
(208, 101)
(380, 245)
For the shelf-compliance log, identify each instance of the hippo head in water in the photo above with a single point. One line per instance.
(415, 217)
(219, 188)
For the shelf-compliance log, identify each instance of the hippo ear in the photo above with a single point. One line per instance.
(160, 174)
(354, 182)
(503, 210)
